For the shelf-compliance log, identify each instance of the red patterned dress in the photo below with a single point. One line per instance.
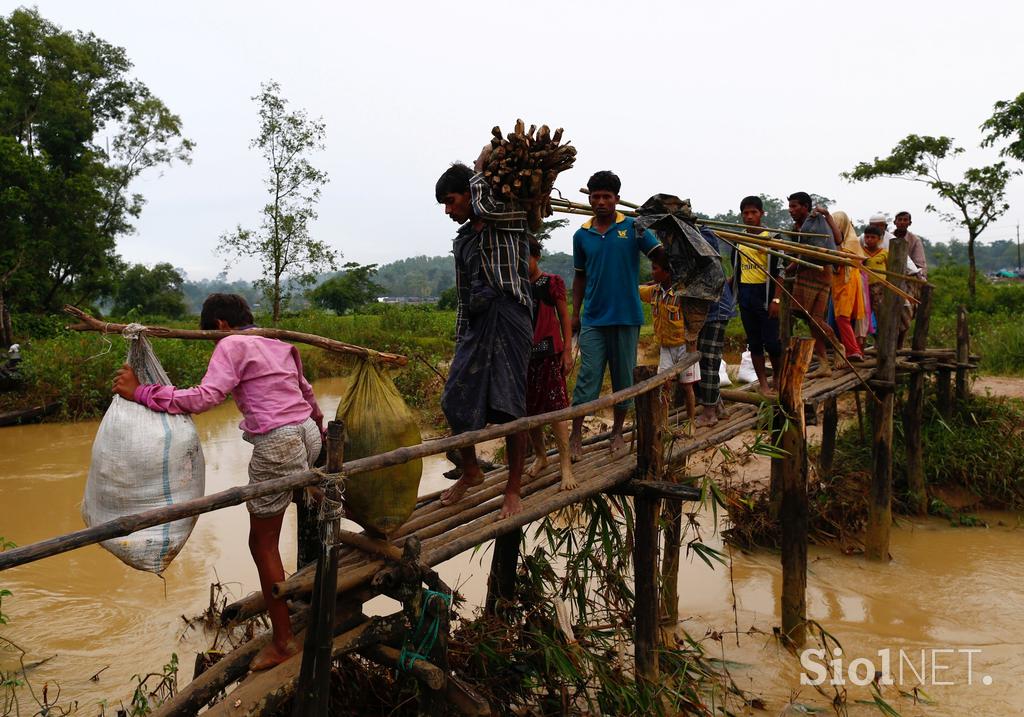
(545, 382)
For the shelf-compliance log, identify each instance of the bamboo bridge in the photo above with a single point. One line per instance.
(339, 571)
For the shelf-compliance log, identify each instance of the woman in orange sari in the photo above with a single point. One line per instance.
(847, 289)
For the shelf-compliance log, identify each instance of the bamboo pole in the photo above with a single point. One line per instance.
(90, 323)
(829, 428)
(793, 509)
(876, 542)
(914, 410)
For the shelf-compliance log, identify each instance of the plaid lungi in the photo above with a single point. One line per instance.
(710, 342)
(278, 453)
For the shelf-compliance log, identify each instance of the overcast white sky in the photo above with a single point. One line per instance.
(710, 101)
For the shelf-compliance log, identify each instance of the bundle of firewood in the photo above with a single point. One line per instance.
(522, 168)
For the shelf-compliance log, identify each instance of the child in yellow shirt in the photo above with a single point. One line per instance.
(667, 311)
(876, 260)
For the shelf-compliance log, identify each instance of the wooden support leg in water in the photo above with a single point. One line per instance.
(501, 582)
(963, 354)
(876, 541)
(307, 525)
(313, 690)
(829, 427)
(913, 415)
(793, 506)
(651, 424)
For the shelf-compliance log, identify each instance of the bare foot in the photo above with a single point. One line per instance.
(539, 464)
(766, 390)
(575, 446)
(568, 479)
(511, 506)
(272, 655)
(454, 494)
(618, 445)
(707, 418)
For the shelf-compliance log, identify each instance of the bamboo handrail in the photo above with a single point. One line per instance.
(91, 323)
(128, 524)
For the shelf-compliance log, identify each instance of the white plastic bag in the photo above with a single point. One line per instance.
(142, 459)
(746, 374)
(723, 374)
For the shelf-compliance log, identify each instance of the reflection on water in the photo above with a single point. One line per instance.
(946, 588)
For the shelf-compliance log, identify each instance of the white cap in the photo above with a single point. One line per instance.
(878, 218)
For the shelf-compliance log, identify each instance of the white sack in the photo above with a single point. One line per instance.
(746, 374)
(141, 460)
(723, 374)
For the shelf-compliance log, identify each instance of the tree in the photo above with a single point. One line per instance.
(75, 131)
(353, 288)
(156, 291)
(288, 255)
(449, 299)
(979, 196)
(1006, 123)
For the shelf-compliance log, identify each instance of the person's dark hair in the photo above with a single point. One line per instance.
(536, 248)
(872, 230)
(231, 308)
(660, 260)
(455, 180)
(752, 201)
(604, 181)
(901, 214)
(800, 198)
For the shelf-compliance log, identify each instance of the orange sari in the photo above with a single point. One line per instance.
(847, 291)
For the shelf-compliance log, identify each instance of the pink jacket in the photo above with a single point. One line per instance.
(264, 376)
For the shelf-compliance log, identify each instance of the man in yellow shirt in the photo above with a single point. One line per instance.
(751, 284)
(667, 311)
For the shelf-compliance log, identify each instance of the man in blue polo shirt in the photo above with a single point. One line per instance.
(606, 255)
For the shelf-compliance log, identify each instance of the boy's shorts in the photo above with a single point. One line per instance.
(278, 453)
(671, 355)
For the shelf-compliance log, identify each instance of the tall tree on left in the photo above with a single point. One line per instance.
(287, 253)
(75, 131)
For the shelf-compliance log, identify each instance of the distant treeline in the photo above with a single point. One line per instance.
(426, 276)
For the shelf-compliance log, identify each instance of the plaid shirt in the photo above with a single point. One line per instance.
(497, 255)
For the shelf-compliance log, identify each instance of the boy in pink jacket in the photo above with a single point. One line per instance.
(281, 420)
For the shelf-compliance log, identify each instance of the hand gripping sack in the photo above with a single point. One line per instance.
(141, 460)
(377, 421)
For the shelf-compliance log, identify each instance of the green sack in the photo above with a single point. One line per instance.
(377, 421)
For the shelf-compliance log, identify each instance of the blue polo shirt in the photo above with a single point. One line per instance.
(611, 262)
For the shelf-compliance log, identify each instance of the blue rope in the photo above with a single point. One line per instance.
(407, 658)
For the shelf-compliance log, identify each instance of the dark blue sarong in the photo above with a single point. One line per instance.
(487, 380)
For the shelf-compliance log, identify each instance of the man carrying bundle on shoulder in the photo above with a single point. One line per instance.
(494, 327)
(812, 286)
(754, 274)
(606, 303)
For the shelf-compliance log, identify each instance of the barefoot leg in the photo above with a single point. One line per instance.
(561, 431)
(471, 476)
(264, 535)
(576, 439)
(540, 458)
(515, 446)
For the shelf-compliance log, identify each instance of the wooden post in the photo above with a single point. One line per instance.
(944, 392)
(793, 506)
(876, 542)
(778, 420)
(501, 582)
(307, 543)
(913, 412)
(312, 695)
(963, 354)
(829, 427)
(651, 422)
(672, 528)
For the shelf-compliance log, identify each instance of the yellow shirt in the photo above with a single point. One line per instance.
(668, 314)
(877, 263)
(753, 263)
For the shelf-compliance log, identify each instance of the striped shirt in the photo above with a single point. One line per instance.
(498, 255)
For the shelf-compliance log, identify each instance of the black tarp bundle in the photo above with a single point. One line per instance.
(696, 265)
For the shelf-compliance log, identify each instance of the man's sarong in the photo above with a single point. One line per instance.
(487, 379)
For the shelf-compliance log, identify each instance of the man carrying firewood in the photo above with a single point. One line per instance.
(605, 301)
(494, 327)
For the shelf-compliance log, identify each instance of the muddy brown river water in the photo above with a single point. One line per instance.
(949, 608)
